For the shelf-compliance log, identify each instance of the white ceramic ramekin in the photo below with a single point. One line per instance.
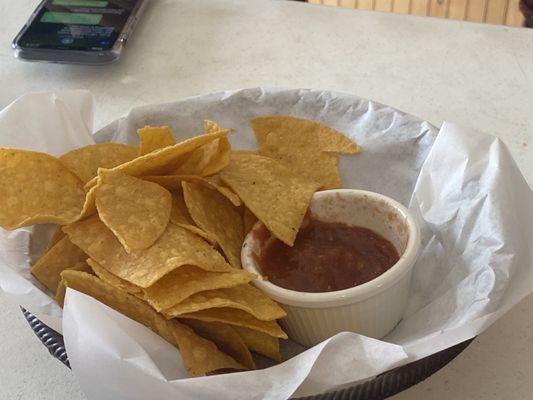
(372, 309)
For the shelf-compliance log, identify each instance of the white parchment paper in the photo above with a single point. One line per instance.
(474, 207)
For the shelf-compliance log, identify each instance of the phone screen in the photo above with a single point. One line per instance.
(87, 25)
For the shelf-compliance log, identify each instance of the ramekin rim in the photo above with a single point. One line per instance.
(353, 294)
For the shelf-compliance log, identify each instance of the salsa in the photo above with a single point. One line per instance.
(326, 257)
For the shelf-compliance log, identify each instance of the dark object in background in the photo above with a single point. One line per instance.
(526, 6)
(91, 32)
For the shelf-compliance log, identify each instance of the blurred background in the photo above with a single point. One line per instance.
(501, 12)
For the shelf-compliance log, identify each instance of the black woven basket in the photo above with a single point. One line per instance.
(385, 385)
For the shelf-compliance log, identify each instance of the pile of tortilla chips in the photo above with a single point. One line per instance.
(155, 231)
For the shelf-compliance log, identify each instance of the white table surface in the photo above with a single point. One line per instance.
(477, 75)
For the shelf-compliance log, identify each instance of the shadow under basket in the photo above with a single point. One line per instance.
(382, 386)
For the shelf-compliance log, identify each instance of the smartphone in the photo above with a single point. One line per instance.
(90, 32)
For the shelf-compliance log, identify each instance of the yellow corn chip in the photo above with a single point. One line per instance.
(173, 182)
(179, 213)
(307, 162)
(85, 161)
(216, 182)
(235, 317)
(207, 159)
(310, 133)
(211, 126)
(210, 158)
(37, 189)
(226, 339)
(114, 280)
(163, 160)
(260, 342)
(180, 216)
(249, 220)
(169, 182)
(215, 214)
(82, 266)
(238, 152)
(60, 293)
(200, 356)
(185, 281)
(89, 206)
(62, 288)
(61, 256)
(243, 297)
(136, 211)
(155, 137)
(56, 237)
(175, 248)
(270, 190)
(302, 146)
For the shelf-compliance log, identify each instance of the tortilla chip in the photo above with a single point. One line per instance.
(62, 288)
(215, 214)
(210, 158)
(165, 160)
(169, 182)
(180, 216)
(249, 220)
(304, 151)
(270, 190)
(173, 182)
(56, 237)
(85, 161)
(235, 317)
(260, 342)
(60, 293)
(185, 281)
(175, 248)
(89, 206)
(309, 133)
(226, 339)
(154, 137)
(238, 152)
(207, 159)
(306, 162)
(114, 280)
(211, 126)
(216, 182)
(82, 266)
(136, 211)
(179, 213)
(37, 189)
(61, 256)
(243, 297)
(200, 356)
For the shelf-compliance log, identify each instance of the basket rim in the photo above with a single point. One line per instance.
(382, 386)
